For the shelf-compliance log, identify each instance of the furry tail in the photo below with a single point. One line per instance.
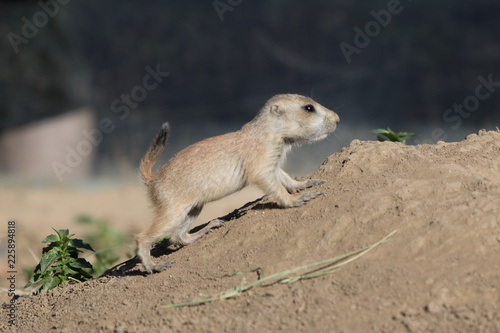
(154, 153)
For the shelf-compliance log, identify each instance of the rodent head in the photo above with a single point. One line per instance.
(299, 119)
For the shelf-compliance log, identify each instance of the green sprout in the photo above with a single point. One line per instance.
(60, 262)
(390, 135)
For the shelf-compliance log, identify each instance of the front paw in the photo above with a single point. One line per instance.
(313, 182)
(305, 197)
(303, 185)
(306, 184)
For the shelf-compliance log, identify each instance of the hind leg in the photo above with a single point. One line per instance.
(163, 225)
(144, 243)
(183, 237)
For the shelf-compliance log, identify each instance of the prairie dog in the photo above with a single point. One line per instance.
(216, 167)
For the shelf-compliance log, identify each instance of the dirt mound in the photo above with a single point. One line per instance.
(438, 273)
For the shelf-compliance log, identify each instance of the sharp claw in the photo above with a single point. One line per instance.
(160, 267)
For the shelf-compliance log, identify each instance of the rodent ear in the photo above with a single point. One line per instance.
(275, 109)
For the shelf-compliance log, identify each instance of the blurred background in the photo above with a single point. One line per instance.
(67, 62)
(85, 85)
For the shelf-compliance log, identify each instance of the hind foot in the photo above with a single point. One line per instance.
(215, 223)
(185, 238)
(159, 267)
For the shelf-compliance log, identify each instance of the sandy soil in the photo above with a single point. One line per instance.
(439, 273)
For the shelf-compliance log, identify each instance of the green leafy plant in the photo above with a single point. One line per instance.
(60, 262)
(390, 135)
(108, 242)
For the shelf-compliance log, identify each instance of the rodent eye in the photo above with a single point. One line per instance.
(309, 108)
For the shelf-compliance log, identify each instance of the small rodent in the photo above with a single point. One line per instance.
(216, 167)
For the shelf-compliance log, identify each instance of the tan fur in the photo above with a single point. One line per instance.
(216, 167)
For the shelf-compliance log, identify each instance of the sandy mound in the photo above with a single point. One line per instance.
(439, 273)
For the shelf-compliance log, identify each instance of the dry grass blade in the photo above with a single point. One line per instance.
(323, 267)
